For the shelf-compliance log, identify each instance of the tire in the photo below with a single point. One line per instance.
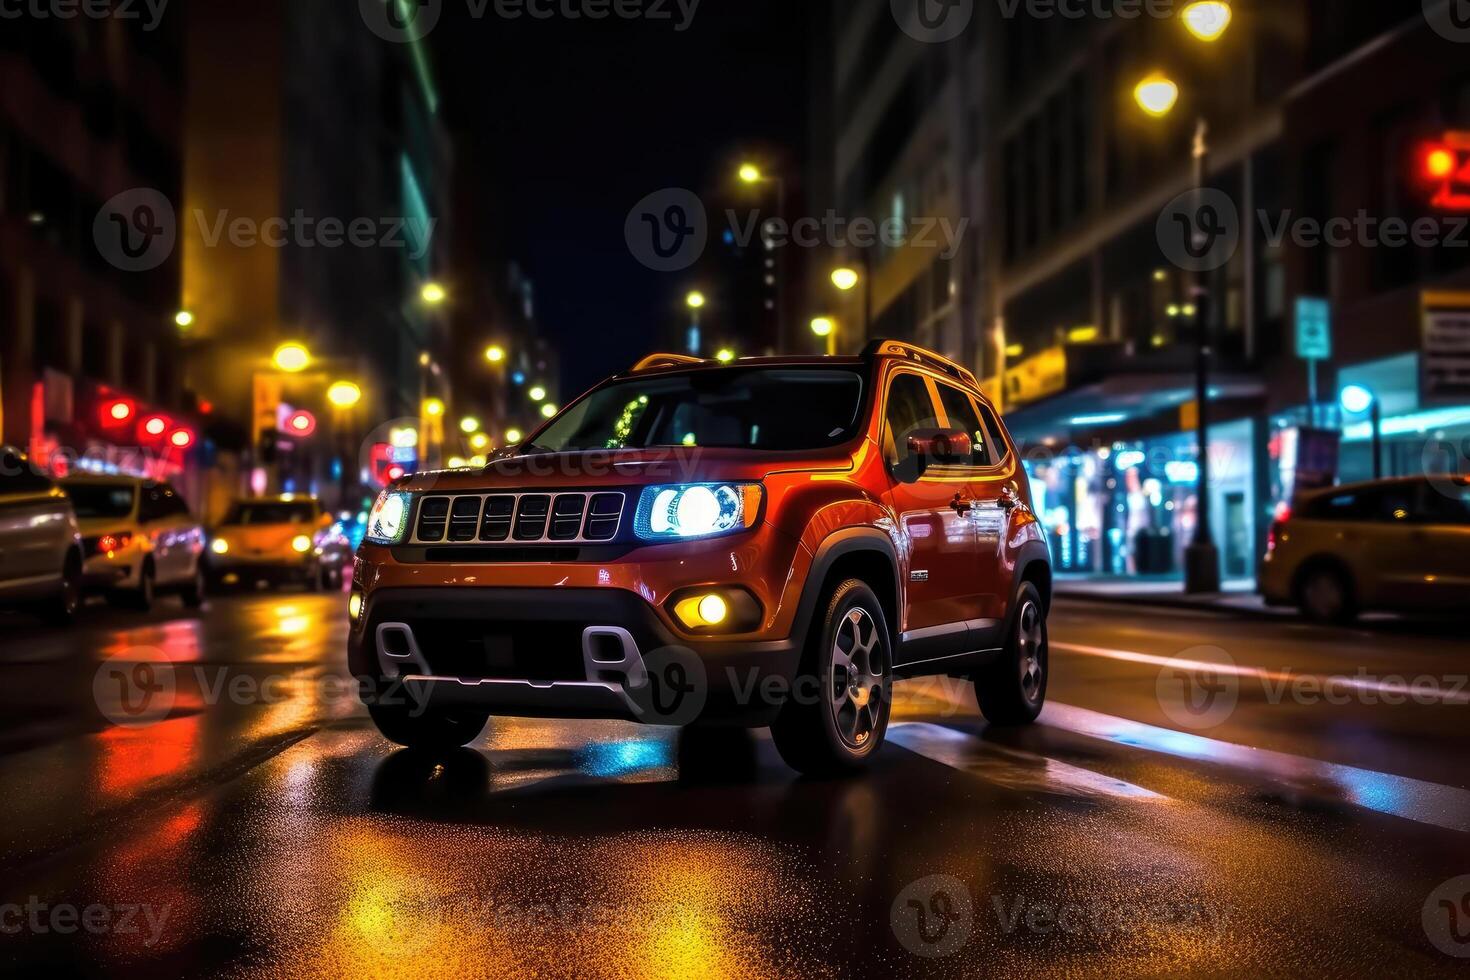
(1012, 689)
(141, 598)
(1325, 595)
(841, 728)
(62, 608)
(193, 593)
(430, 730)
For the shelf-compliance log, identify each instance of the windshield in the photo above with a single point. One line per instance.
(100, 499)
(271, 513)
(787, 408)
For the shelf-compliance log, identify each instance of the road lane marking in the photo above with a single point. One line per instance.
(1413, 799)
(1421, 693)
(1009, 767)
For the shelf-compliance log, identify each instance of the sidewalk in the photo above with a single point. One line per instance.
(1238, 598)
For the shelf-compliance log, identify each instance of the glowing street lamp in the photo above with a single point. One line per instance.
(344, 394)
(495, 354)
(1358, 399)
(725, 356)
(291, 357)
(548, 410)
(469, 425)
(433, 408)
(845, 279)
(1156, 94)
(537, 394)
(513, 436)
(695, 300)
(750, 173)
(433, 293)
(479, 442)
(1207, 19)
(826, 328)
(184, 319)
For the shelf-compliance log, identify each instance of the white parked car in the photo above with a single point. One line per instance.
(139, 539)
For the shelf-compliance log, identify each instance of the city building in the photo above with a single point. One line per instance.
(315, 188)
(91, 371)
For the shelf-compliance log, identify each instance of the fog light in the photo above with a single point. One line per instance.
(354, 606)
(301, 543)
(713, 610)
(702, 611)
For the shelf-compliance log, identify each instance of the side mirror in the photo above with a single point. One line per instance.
(932, 447)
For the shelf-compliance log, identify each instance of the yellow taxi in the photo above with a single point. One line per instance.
(1400, 545)
(272, 539)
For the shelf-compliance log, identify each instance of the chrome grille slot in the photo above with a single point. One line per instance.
(603, 515)
(495, 526)
(531, 517)
(471, 519)
(433, 519)
(464, 519)
(566, 516)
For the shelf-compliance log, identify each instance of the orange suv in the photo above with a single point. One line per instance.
(768, 542)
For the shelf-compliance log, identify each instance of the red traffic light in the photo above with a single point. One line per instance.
(301, 423)
(1445, 166)
(181, 438)
(117, 411)
(1439, 162)
(154, 426)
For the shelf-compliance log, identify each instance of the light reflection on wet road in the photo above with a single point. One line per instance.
(256, 826)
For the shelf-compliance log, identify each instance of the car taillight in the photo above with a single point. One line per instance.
(109, 543)
(1278, 527)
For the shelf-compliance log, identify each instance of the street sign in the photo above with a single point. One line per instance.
(1313, 328)
(1444, 356)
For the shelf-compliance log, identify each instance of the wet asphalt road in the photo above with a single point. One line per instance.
(1205, 795)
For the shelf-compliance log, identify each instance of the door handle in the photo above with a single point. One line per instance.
(961, 505)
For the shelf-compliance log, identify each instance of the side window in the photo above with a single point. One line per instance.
(909, 407)
(154, 505)
(962, 415)
(1445, 504)
(998, 445)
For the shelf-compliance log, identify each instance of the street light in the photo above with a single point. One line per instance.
(537, 394)
(513, 436)
(433, 293)
(1156, 94)
(548, 410)
(344, 394)
(469, 425)
(826, 328)
(695, 301)
(184, 319)
(725, 356)
(1207, 19)
(433, 408)
(750, 173)
(291, 357)
(1357, 399)
(479, 441)
(495, 354)
(844, 278)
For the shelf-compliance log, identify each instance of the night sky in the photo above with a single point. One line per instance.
(584, 118)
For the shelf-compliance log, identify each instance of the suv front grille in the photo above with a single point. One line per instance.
(564, 518)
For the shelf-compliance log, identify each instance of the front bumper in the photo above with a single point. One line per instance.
(573, 652)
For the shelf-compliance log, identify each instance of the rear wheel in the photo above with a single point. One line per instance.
(61, 609)
(193, 594)
(1325, 595)
(141, 598)
(430, 728)
(850, 657)
(1012, 689)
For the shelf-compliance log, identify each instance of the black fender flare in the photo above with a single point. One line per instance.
(1031, 553)
(837, 545)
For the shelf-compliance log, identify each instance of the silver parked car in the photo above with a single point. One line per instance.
(40, 546)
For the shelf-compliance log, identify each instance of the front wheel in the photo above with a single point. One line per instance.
(193, 594)
(428, 728)
(1012, 689)
(62, 608)
(837, 724)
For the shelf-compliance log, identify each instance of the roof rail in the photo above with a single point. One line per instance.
(913, 352)
(654, 361)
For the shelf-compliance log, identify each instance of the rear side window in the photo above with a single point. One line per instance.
(1386, 505)
(909, 407)
(962, 415)
(999, 447)
(1446, 503)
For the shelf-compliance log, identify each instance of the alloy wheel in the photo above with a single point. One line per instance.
(1031, 645)
(855, 680)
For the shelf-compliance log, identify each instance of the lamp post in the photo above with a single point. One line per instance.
(826, 328)
(846, 279)
(1157, 95)
(696, 302)
(1357, 399)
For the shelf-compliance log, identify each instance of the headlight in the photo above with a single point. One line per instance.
(301, 544)
(698, 510)
(219, 546)
(388, 521)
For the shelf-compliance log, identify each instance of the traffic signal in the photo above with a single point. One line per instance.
(1444, 165)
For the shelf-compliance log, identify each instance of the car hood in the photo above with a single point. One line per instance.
(623, 468)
